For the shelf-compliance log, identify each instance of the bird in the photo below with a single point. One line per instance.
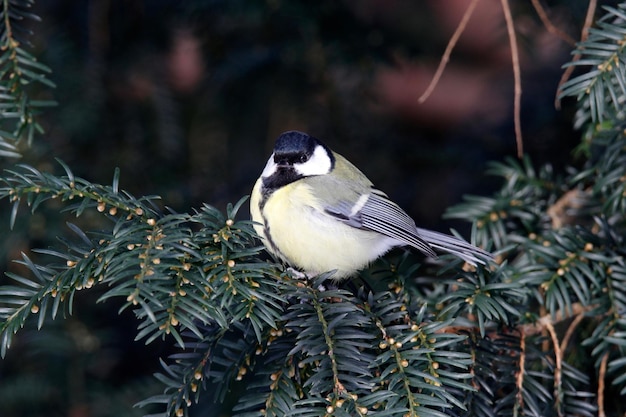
(317, 212)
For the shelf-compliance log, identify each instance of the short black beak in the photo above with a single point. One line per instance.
(282, 163)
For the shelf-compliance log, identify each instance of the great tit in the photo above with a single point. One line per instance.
(317, 212)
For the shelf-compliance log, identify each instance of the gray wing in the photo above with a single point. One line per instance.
(382, 215)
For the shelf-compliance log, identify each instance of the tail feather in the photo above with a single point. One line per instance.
(464, 250)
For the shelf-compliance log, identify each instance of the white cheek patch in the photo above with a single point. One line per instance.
(318, 164)
(270, 167)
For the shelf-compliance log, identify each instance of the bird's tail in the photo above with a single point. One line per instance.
(466, 251)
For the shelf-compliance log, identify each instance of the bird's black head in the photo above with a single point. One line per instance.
(296, 155)
(294, 147)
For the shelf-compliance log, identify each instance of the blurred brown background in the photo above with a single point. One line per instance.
(188, 97)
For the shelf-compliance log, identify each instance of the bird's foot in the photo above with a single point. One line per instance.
(297, 274)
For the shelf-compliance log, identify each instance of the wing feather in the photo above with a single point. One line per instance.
(382, 215)
(464, 250)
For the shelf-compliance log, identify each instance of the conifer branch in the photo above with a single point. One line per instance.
(399, 340)
(602, 88)
(589, 17)
(20, 74)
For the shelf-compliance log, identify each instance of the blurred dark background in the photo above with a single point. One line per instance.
(187, 97)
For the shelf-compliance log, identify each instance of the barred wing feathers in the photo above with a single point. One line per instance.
(382, 215)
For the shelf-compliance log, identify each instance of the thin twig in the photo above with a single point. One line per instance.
(446, 55)
(591, 11)
(541, 12)
(541, 324)
(558, 356)
(517, 99)
(519, 380)
(601, 378)
(570, 331)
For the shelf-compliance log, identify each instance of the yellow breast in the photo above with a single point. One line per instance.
(295, 227)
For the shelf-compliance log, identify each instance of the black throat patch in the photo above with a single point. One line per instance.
(283, 176)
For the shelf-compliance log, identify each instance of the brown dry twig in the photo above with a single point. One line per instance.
(514, 57)
(517, 76)
(446, 55)
(558, 369)
(570, 331)
(601, 382)
(543, 15)
(541, 324)
(541, 12)
(591, 11)
(566, 210)
(519, 378)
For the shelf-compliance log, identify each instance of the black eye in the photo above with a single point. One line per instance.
(303, 159)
